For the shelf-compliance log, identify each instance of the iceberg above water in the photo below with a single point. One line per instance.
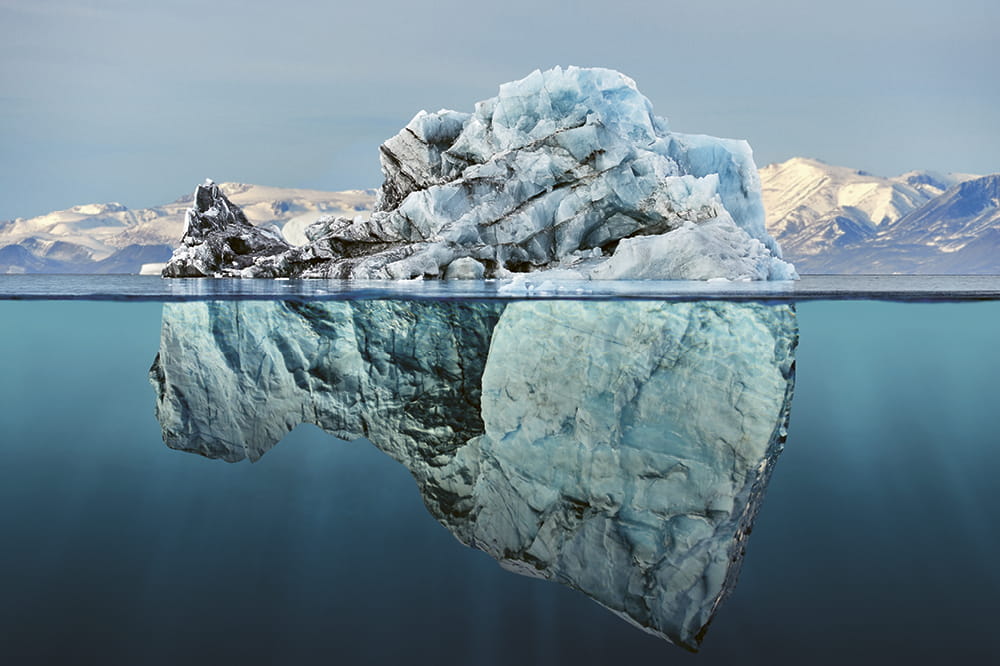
(565, 171)
(619, 448)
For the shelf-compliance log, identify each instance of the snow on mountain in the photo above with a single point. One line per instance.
(956, 218)
(90, 237)
(812, 206)
(831, 219)
(955, 233)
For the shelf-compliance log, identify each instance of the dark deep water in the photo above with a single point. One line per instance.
(876, 542)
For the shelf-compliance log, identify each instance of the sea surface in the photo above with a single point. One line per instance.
(876, 540)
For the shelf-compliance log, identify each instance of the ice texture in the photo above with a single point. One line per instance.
(218, 238)
(554, 173)
(619, 448)
(627, 446)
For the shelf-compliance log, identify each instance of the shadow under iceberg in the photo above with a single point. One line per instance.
(619, 448)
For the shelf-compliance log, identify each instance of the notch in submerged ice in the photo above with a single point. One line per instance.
(566, 172)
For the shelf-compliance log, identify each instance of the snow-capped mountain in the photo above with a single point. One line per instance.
(110, 238)
(831, 219)
(828, 219)
(813, 206)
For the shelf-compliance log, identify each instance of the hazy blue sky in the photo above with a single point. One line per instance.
(110, 100)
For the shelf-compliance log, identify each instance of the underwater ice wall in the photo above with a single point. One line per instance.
(619, 448)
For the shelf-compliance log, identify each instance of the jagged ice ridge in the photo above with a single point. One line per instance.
(566, 171)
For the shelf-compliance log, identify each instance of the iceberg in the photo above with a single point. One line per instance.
(618, 448)
(566, 171)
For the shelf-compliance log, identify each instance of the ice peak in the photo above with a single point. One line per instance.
(552, 174)
(559, 99)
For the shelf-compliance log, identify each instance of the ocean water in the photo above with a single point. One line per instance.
(810, 287)
(875, 540)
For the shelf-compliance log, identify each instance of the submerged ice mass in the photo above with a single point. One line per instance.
(566, 170)
(619, 448)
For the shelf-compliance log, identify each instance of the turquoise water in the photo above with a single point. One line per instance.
(876, 540)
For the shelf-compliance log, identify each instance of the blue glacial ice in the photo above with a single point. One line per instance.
(619, 448)
(566, 171)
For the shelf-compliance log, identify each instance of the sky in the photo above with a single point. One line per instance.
(137, 102)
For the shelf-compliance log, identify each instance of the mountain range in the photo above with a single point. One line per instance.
(110, 238)
(827, 219)
(831, 219)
